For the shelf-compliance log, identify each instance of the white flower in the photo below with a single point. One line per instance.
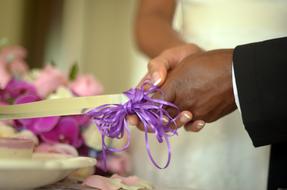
(6, 131)
(61, 92)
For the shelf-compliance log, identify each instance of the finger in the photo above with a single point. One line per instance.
(182, 119)
(147, 77)
(133, 120)
(195, 126)
(157, 69)
(141, 127)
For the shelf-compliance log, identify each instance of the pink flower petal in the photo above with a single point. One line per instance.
(119, 163)
(66, 131)
(45, 124)
(100, 182)
(52, 136)
(18, 67)
(49, 80)
(17, 88)
(86, 85)
(70, 129)
(131, 180)
(5, 76)
(81, 119)
(26, 98)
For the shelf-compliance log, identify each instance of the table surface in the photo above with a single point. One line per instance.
(74, 185)
(70, 185)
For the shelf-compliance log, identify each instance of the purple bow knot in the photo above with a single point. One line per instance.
(111, 120)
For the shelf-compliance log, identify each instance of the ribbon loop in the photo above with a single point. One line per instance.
(111, 118)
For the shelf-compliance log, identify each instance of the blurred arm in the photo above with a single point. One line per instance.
(153, 26)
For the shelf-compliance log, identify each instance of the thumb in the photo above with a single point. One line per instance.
(157, 69)
(167, 92)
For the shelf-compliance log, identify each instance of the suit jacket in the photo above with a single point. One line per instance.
(261, 78)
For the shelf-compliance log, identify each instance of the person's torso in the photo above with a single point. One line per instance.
(227, 23)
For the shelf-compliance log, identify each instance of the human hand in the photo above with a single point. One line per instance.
(157, 72)
(202, 83)
(166, 61)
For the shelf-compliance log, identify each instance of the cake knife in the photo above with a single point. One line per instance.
(58, 107)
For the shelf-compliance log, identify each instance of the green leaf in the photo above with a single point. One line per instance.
(3, 42)
(74, 71)
(52, 62)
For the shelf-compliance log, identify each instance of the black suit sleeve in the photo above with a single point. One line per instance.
(261, 79)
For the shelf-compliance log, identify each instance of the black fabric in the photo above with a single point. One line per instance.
(260, 72)
(261, 79)
(277, 178)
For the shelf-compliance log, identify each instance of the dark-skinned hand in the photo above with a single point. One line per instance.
(158, 69)
(202, 84)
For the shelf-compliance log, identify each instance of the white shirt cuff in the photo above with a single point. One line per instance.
(235, 89)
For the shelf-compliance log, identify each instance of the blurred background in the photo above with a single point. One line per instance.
(97, 34)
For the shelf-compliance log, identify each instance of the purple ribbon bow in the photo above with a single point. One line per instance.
(111, 119)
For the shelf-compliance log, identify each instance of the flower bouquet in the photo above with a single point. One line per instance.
(73, 135)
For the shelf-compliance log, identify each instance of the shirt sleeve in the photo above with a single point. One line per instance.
(235, 89)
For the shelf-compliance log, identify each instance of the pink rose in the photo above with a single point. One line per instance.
(86, 85)
(14, 59)
(18, 67)
(49, 80)
(5, 75)
(117, 163)
(13, 52)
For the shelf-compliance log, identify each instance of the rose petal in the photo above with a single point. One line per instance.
(101, 182)
(86, 85)
(131, 180)
(119, 163)
(5, 76)
(49, 80)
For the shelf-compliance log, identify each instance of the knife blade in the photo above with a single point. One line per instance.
(58, 107)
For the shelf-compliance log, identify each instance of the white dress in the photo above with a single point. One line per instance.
(221, 156)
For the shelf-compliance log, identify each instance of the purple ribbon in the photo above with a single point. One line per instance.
(112, 122)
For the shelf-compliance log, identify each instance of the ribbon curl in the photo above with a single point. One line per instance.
(111, 121)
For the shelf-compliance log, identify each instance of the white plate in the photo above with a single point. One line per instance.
(42, 169)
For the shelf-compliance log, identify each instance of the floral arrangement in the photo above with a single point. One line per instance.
(74, 135)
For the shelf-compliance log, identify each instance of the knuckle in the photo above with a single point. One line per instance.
(197, 115)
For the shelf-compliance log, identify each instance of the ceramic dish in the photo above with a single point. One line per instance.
(42, 169)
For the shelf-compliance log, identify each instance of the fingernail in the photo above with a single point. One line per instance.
(185, 118)
(156, 78)
(164, 120)
(200, 125)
